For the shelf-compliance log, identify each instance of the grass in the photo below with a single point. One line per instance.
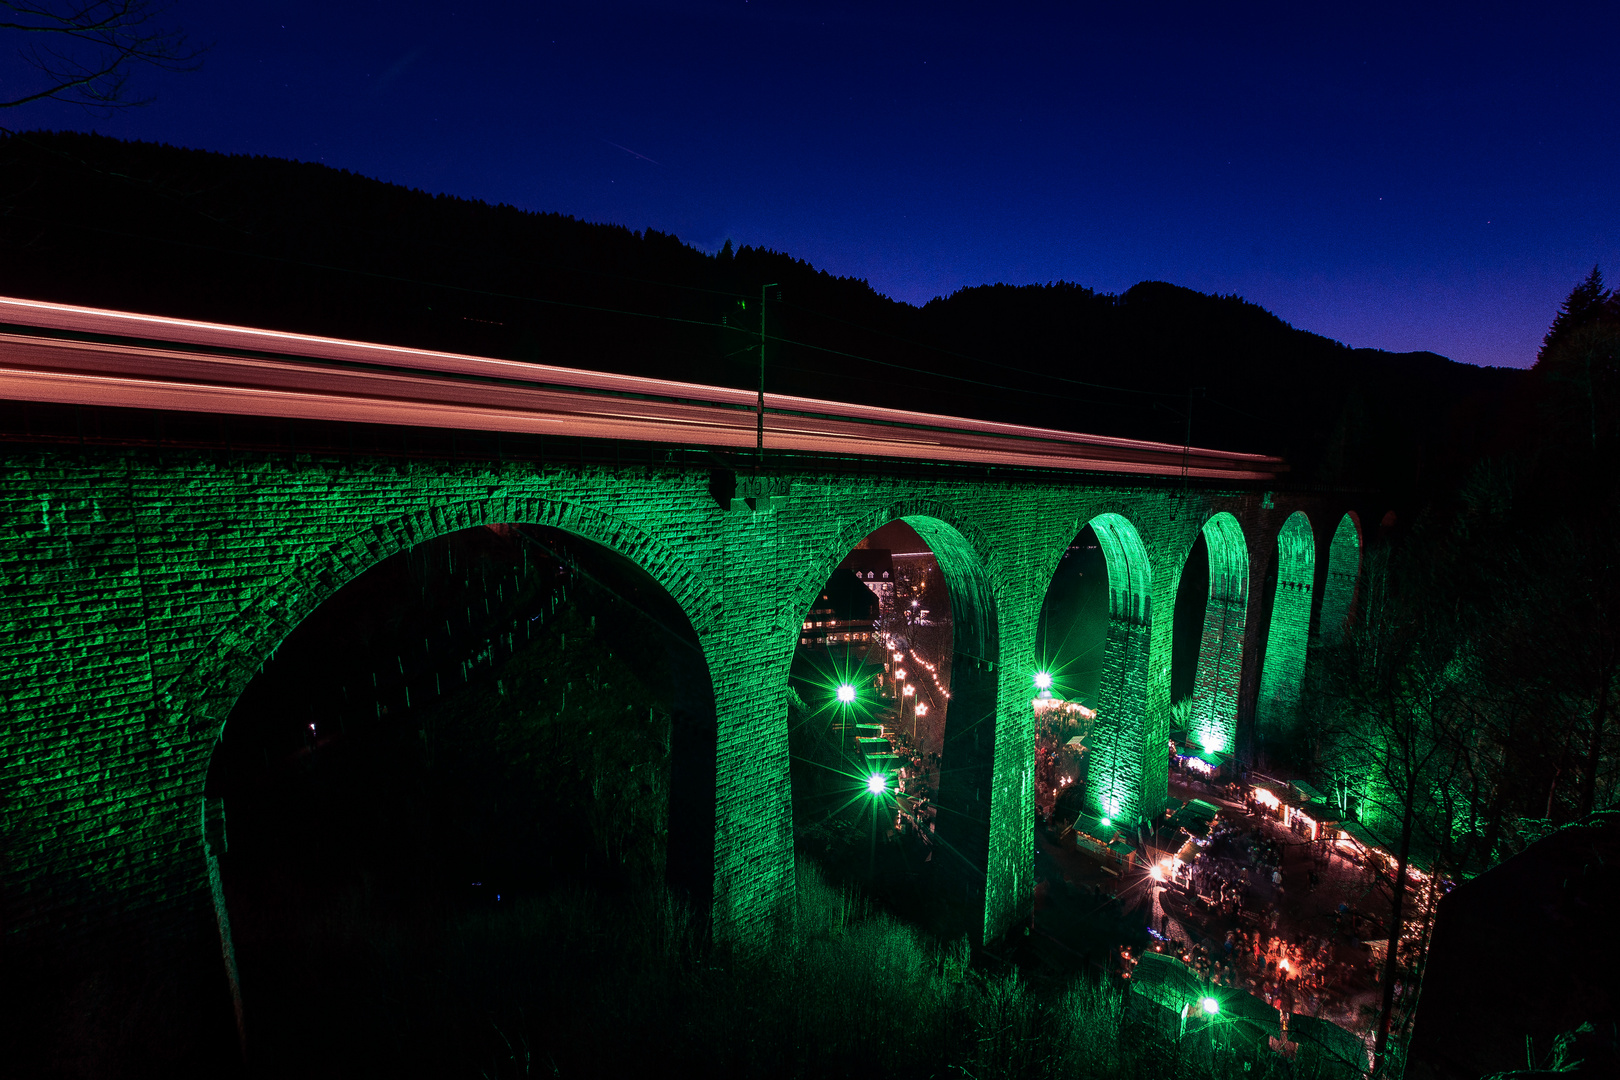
(578, 984)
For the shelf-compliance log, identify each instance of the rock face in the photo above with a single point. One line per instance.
(1526, 950)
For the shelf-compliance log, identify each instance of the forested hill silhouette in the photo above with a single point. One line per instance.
(298, 246)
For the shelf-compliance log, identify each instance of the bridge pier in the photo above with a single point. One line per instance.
(750, 646)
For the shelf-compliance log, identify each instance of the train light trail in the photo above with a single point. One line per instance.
(73, 355)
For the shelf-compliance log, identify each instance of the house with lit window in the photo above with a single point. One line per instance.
(874, 568)
(845, 614)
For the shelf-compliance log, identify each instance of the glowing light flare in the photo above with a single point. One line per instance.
(1043, 680)
(877, 784)
(1213, 740)
(1211, 1006)
(910, 690)
(846, 693)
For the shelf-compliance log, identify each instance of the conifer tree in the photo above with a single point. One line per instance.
(1579, 368)
(1586, 303)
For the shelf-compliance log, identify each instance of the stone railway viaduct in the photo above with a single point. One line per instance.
(144, 580)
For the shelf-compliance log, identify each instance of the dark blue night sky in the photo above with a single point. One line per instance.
(1435, 181)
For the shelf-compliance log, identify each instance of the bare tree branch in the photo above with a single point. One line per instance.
(83, 51)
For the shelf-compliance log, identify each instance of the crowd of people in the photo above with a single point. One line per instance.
(1237, 871)
(1235, 929)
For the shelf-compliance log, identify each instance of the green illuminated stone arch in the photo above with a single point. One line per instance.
(1120, 758)
(1343, 568)
(984, 821)
(202, 697)
(1283, 672)
(964, 554)
(206, 692)
(1220, 652)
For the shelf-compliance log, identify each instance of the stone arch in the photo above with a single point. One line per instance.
(970, 552)
(1343, 569)
(983, 827)
(1120, 756)
(1283, 671)
(204, 694)
(1213, 724)
(206, 691)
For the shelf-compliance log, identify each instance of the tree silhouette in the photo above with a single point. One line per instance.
(1583, 305)
(1579, 367)
(1400, 711)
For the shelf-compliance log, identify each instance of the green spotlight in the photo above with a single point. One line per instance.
(1106, 822)
(846, 693)
(1211, 1006)
(1043, 680)
(877, 783)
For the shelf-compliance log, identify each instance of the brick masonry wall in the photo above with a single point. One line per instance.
(141, 591)
(1283, 672)
(1343, 567)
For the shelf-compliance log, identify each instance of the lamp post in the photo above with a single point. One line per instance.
(877, 786)
(844, 695)
(759, 433)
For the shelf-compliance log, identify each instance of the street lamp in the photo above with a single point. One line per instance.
(877, 786)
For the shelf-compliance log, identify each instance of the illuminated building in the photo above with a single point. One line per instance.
(845, 614)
